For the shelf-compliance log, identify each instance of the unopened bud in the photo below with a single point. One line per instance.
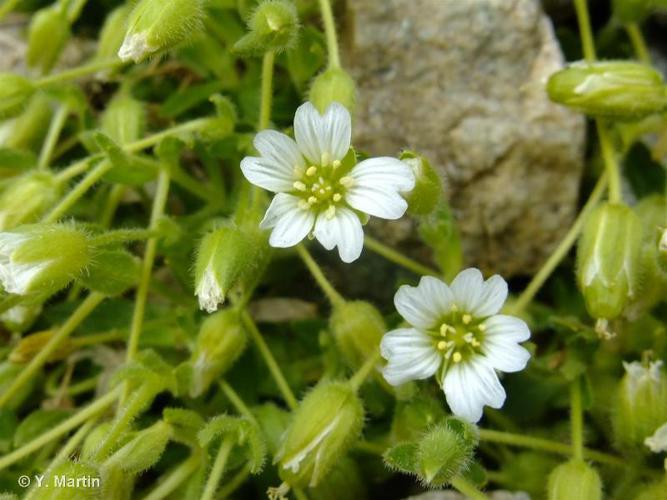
(143, 451)
(48, 33)
(443, 455)
(220, 342)
(29, 129)
(424, 198)
(228, 258)
(574, 480)
(78, 482)
(26, 198)
(657, 443)
(641, 404)
(358, 328)
(333, 85)
(274, 26)
(113, 32)
(616, 89)
(40, 259)
(15, 91)
(156, 25)
(323, 427)
(608, 260)
(413, 417)
(124, 119)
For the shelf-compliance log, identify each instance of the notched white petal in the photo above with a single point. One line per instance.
(468, 288)
(308, 132)
(507, 328)
(470, 386)
(492, 298)
(342, 230)
(279, 148)
(267, 174)
(423, 306)
(410, 355)
(657, 443)
(337, 131)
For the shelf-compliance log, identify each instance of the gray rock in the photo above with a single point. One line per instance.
(463, 83)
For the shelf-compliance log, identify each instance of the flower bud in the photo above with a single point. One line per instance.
(413, 417)
(113, 32)
(274, 26)
(333, 85)
(641, 405)
(143, 451)
(15, 91)
(574, 480)
(358, 328)
(21, 317)
(608, 260)
(657, 443)
(424, 198)
(28, 197)
(221, 340)
(30, 128)
(443, 455)
(41, 259)
(228, 258)
(124, 119)
(47, 35)
(157, 25)
(323, 427)
(29, 346)
(79, 481)
(617, 89)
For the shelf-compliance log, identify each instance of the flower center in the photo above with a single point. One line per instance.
(460, 336)
(322, 187)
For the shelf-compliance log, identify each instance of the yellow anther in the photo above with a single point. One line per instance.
(476, 343)
(442, 345)
(322, 191)
(456, 357)
(299, 186)
(312, 200)
(312, 170)
(443, 329)
(482, 327)
(346, 181)
(466, 318)
(337, 197)
(303, 205)
(330, 212)
(336, 163)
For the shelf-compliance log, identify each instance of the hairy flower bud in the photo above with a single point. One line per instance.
(641, 405)
(228, 258)
(323, 427)
(30, 128)
(618, 89)
(424, 198)
(220, 342)
(113, 32)
(157, 25)
(358, 328)
(27, 197)
(274, 25)
(608, 260)
(15, 91)
(77, 482)
(574, 480)
(124, 119)
(143, 451)
(48, 33)
(40, 259)
(333, 85)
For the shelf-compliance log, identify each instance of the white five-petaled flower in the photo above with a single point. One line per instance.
(318, 191)
(456, 334)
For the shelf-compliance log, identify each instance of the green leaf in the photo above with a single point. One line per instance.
(186, 424)
(38, 422)
(244, 432)
(13, 161)
(8, 425)
(143, 451)
(180, 102)
(127, 169)
(111, 272)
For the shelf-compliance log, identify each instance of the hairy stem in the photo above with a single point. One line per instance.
(217, 470)
(468, 489)
(398, 258)
(55, 128)
(611, 164)
(334, 297)
(638, 42)
(266, 97)
(168, 483)
(577, 420)
(362, 374)
(330, 32)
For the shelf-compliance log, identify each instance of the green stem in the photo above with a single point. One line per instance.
(577, 420)
(217, 470)
(75, 9)
(100, 338)
(232, 484)
(157, 212)
(113, 200)
(585, 32)
(362, 374)
(270, 361)
(81, 313)
(168, 483)
(122, 236)
(610, 162)
(236, 400)
(534, 443)
(74, 73)
(467, 489)
(330, 32)
(266, 90)
(638, 43)
(561, 250)
(61, 429)
(55, 128)
(334, 297)
(78, 191)
(398, 258)
(152, 140)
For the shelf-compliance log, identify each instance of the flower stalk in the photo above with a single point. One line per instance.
(317, 273)
(330, 33)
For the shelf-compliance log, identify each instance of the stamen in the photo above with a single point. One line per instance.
(322, 191)
(336, 163)
(303, 205)
(346, 181)
(466, 318)
(312, 170)
(337, 197)
(442, 345)
(312, 200)
(482, 327)
(456, 357)
(299, 186)
(476, 343)
(469, 337)
(444, 328)
(325, 159)
(330, 212)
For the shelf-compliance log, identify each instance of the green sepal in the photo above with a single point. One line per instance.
(111, 272)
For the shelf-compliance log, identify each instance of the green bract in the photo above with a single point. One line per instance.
(274, 26)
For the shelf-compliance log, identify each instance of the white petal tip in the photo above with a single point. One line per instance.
(134, 48)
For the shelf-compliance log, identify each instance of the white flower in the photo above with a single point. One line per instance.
(456, 334)
(317, 192)
(17, 277)
(658, 441)
(209, 291)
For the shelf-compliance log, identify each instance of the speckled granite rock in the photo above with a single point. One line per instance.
(463, 82)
